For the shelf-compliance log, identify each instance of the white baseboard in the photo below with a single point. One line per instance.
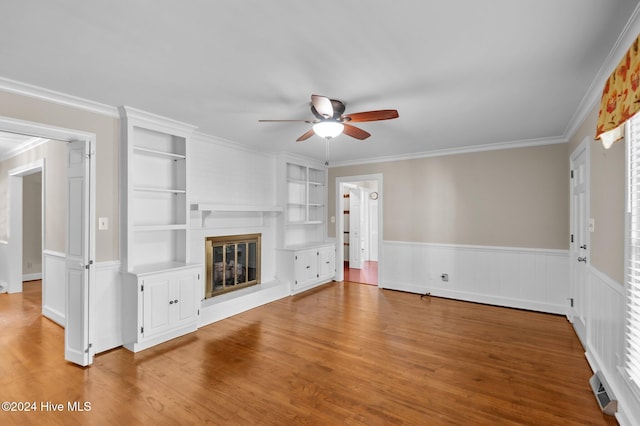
(32, 277)
(53, 315)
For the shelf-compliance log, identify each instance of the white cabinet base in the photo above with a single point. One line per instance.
(160, 305)
(307, 266)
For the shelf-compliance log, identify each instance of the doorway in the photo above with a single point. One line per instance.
(75, 269)
(358, 230)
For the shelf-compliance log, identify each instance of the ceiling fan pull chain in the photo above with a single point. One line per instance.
(326, 162)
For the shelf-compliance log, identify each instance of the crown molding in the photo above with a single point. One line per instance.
(24, 147)
(24, 89)
(453, 151)
(137, 117)
(594, 92)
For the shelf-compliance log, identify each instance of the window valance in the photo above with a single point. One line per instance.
(620, 97)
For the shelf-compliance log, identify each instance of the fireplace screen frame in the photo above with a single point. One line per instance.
(213, 288)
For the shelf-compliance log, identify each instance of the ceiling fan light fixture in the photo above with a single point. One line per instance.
(328, 129)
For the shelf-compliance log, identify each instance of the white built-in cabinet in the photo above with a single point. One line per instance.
(307, 267)
(155, 231)
(305, 259)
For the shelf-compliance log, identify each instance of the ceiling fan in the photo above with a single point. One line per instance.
(330, 121)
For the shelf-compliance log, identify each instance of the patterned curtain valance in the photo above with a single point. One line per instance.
(620, 97)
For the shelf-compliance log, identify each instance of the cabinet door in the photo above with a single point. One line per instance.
(306, 267)
(183, 299)
(155, 305)
(327, 262)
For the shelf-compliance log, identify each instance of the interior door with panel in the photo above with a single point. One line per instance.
(79, 262)
(356, 246)
(579, 243)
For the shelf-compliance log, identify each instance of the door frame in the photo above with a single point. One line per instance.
(340, 222)
(574, 251)
(16, 229)
(45, 131)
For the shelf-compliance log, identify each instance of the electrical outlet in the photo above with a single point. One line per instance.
(445, 277)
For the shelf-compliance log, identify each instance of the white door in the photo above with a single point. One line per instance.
(326, 262)
(305, 267)
(356, 245)
(579, 244)
(155, 305)
(78, 254)
(373, 230)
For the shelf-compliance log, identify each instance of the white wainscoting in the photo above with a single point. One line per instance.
(106, 307)
(53, 286)
(605, 340)
(4, 266)
(523, 278)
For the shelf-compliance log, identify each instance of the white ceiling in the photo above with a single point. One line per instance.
(461, 73)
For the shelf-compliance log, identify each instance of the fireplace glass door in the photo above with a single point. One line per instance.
(233, 262)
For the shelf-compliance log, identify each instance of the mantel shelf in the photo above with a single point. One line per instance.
(203, 210)
(212, 207)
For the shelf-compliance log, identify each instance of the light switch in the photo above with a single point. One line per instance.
(103, 223)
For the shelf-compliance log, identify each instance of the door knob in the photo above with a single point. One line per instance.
(582, 259)
(584, 246)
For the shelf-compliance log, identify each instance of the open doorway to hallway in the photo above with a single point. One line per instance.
(360, 231)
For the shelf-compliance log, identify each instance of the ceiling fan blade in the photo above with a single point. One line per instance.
(355, 132)
(323, 105)
(306, 136)
(285, 121)
(383, 114)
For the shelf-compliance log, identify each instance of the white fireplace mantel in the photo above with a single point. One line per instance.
(205, 209)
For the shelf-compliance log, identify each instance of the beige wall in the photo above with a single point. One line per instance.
(512, 198)
(106, 130)
(55, 183)
(607, 200)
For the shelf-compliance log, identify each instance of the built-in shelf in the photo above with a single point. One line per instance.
(158, 153)
(162, 190)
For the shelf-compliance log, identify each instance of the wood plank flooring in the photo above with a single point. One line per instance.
(341, 354)
(367, 275)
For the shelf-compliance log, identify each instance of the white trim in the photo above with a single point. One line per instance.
(31, 128)
(16, 226)
(24, 89)
(53, 253)
(548, 252)
(339, 238)
(454, 151)
(24, 147)
(156, 122)
(32, 277)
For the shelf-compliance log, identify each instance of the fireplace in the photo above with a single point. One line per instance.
(233, 263)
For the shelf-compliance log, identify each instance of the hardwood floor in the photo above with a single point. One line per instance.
(341, 354)
(367, 275)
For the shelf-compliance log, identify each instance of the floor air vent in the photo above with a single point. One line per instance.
(608, 405)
